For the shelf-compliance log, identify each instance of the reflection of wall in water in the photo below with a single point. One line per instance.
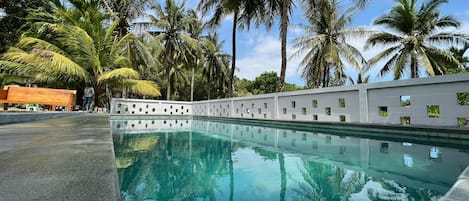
(381, 159)
(413, 160)
(149, 126)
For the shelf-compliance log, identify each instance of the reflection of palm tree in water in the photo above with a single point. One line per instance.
(189, 174)
(283, 176)
(324, 182)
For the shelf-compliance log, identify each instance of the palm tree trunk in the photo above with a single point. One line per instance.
(95, 101)
(328, 76)
(209, 86)
(323, 80)
(283, 177)
(283, 35)
(230, 162)
(168, 79)
(233, 60)
(413, 66)
(192, 84)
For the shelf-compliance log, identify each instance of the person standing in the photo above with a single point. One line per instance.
(88, 97)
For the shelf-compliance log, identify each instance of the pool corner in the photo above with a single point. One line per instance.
(460, 189)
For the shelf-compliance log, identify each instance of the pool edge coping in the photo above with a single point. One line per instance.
(460, 189)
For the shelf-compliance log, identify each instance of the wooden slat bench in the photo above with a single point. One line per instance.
(44, 96)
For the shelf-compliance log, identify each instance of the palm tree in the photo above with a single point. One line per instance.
(414, 39)
(126, 10)
(215, 65)
(283, 9)
(243, 11)
(78, 51)
(195, 30)
(458, 53)
(173, 22)
(326, 46)
(223, 8)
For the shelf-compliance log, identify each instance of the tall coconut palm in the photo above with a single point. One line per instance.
(68, 53)
(244, 12)
(415, 38)
(173, 22)
(126, 10)
(326, 46)
(195, 30)
(215, 67)
(222, 9)
(283, 9)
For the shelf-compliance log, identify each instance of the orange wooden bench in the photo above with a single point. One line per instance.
(44, 96)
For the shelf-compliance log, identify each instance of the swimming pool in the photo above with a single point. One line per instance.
(204, 159)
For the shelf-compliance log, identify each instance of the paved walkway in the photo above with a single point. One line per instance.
(69, 158)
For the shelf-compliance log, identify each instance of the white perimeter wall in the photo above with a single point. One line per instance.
(362, 103)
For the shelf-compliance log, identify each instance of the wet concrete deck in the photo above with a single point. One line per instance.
(69, 158)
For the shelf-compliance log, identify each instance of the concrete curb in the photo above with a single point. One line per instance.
(19, 117)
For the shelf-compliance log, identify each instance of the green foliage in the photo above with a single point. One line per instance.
(79, 50)
(216, 65)
(405, 101)
(315, 103)
(173, 20)
(433, 111)
(15, 12)
(265, 83)
(463, 98)
(190, 173)
(458, 53)
(241, 87)
(415, 40)
(383, 111)
(292, 87)
(405, 120)
(341, 102)
(126, 10)
(328, 111)
(326, 46)
(463, 122)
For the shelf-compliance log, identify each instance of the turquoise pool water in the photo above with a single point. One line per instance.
(207, 160)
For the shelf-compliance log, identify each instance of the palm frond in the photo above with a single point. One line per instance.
(384, 54)
(36, 43)
(120, 73)
(50, 62)
(142, 87)
(449, 38)
(382, 38)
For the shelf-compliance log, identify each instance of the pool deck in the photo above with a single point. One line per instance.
(69, 158)
(19, 117)
(460, 190)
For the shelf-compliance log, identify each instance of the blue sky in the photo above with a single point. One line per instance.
(259, 50)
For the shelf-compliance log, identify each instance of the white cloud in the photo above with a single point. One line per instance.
(466, 13)
(265, 55)
(464, 28)
(2, 13)
(228, 18)
(296, 31)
